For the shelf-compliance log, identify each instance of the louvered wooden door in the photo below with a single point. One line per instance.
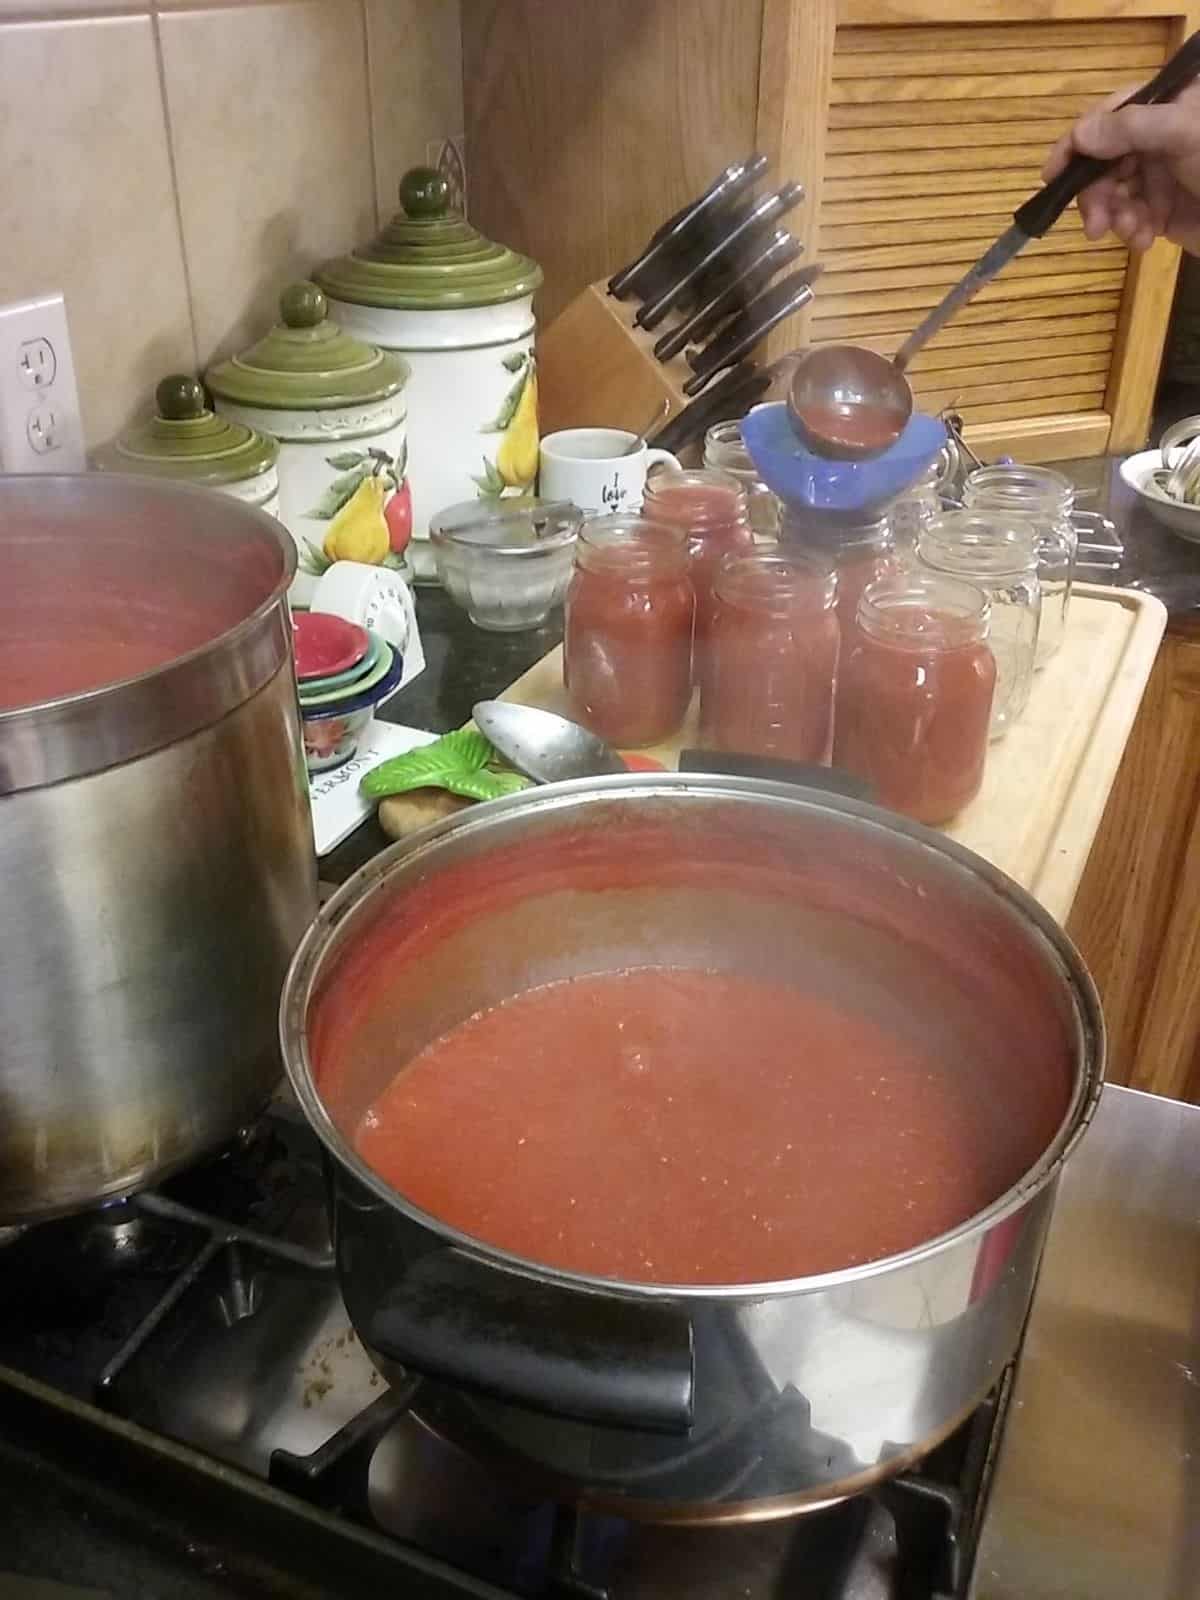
(934, 125)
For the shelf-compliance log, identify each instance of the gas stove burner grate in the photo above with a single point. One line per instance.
(214, 1368)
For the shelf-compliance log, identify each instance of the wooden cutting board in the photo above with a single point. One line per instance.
(1048, 779)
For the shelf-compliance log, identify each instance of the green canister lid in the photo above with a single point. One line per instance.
(185, 439)
(429, 258)
(306, 363)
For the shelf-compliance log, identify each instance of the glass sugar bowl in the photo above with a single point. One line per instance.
(725, 449)
(1047, 498)
(997, 553)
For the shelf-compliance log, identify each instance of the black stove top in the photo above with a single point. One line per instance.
(185, 1411)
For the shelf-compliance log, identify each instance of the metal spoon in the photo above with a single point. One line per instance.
(545, 747)
(850, 402)
(661, 412)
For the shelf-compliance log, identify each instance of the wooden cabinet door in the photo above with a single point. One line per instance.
(1137, 915)
(919, 126)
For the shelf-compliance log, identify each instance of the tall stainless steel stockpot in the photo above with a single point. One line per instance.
(156, 854)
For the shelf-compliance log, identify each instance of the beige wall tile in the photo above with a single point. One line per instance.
(268, 113)
(415, 52)
(86, 204)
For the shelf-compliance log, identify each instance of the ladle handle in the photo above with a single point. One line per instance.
(1042, 210)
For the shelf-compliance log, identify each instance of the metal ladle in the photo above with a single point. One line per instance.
(543, 746)
(849, 402)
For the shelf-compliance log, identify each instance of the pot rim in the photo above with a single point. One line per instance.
(337, 916)
(71, 736)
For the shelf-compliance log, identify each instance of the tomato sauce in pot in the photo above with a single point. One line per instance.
(674, 1048)
(688, 1127)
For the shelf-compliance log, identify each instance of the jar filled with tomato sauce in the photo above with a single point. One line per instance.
(771, 663)
(627, 648)
(712, 509)
(859, 553)
(914, 696)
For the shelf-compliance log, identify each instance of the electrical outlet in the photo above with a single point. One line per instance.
(40, 426)
(37, 363)
(43, 429)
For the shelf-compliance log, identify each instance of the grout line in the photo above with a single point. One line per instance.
(178, 203)
(366, 33)
(79, 13)
(83, 12)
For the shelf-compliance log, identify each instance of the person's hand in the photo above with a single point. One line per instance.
(1154, 189)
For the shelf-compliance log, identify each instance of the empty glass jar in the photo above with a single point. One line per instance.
(724, 449)
(913, 510)
(998, 554)
(1047, 498)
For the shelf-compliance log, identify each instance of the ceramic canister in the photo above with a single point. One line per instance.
(461, 310)
(337, 407)
(184, 439)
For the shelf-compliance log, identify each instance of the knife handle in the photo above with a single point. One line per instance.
(767, 211)
(1042, 210)
(728, 398)
(780, 252)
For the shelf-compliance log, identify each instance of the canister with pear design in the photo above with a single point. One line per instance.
(338, 408)
(460, 310)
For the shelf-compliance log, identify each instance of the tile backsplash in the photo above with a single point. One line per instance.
(171, 167)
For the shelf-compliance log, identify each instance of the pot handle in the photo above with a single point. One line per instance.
(831, 780)
(572, 1353)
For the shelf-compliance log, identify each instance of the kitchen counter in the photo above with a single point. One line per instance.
(1155, 559)
(1097, 1489)
(464, 664)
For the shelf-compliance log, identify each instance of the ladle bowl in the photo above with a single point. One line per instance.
(848, 403)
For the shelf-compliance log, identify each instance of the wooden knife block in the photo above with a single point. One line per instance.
(597, 369)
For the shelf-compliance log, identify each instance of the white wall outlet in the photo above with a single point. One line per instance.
(40, 426)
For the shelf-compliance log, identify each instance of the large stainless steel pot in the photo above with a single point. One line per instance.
(156, 847)
(691, 1403)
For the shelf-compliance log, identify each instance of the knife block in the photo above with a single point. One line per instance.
(596, 368)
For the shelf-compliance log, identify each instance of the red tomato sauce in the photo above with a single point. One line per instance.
(714, 516)
(50, 669)
(681, 1126)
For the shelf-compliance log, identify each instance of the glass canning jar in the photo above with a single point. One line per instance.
(627, 646)
(769, 672)
(725, 450)
(711, 509)
(913, 510)
(1047, 499)
(914, 695)
(997, 552)
(859, 552)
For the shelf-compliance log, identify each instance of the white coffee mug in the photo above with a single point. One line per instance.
(590, 467)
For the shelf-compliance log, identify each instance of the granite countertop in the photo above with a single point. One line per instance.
(1155, 559)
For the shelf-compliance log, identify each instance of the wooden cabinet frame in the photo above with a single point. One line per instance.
(797, 54)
